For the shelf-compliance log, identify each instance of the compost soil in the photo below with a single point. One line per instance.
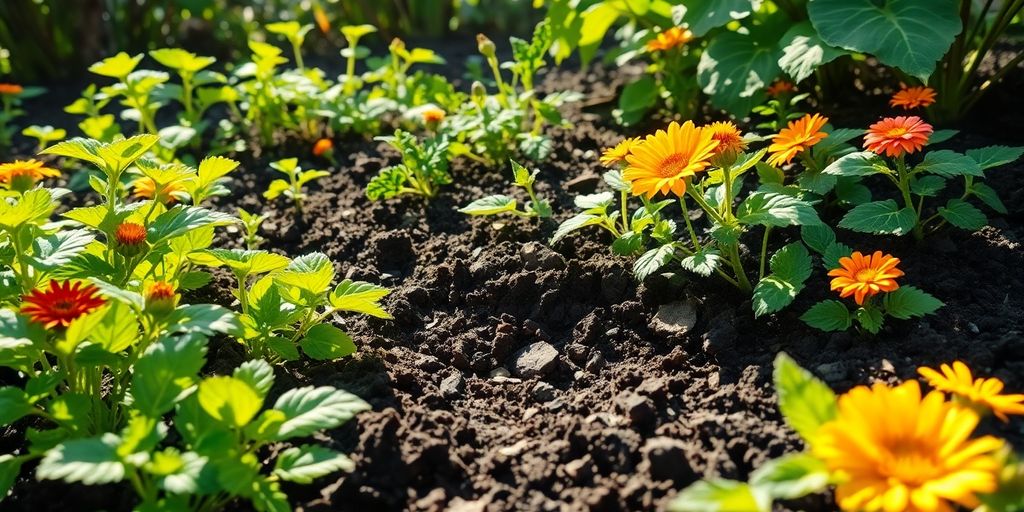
(517, 375)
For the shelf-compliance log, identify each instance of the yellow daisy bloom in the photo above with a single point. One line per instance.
(896, 451)
(29, 171)
(795, 138)
(667, 159)
(981, 393)
(613, 156)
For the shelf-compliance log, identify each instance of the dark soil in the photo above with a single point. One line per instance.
(623, 417)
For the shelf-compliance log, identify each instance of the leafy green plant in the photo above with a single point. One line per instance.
(501, 204)
(44, 135)
(295, 33)
(423, 170)
(135, 88)
(292, 186)
(194, 93)
(251, 224)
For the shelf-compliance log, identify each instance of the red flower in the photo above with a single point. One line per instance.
(895, 136)
(61, 303)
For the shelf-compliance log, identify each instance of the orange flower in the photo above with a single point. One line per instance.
(161, 298)
(896, 136)
(799, 136)
(61, 303)
(321, 18)
(668, 39)
(728, 136)
(130, 233)
(10, 89)
(865, 276)
(667, 159)
(27, 171)
(433, 115)
(145, 188)
(981, 393)
(912, 97)
(616, 155)
(780, 87)
(322, 146)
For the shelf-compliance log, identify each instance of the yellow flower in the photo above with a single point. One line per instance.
(981, 393)
(613, 156)
(145, 188)
(799, 136)
(896, 451)
(667, 159)
(668, 39)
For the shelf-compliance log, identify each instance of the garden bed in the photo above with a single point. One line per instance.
(516, 375)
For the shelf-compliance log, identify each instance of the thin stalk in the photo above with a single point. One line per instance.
(502, 97)
(764, 252)
(623, 201)
(689, 225)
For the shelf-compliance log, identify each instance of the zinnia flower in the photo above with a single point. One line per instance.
(616, 155)
(10, 89)
(780, 87)
(61, 303)
(667, 159)
(433, 115)
(865, 276)
(161, 298)
(322, 146)
(896, 136)
(27, 172)
(668, 39)
(980, 393)
(895, 451)
(130, 238)
(797, 137)
(913, 97)
(145, 188)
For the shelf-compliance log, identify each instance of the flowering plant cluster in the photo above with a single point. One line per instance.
(883, 447)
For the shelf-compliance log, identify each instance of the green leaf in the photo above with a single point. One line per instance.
(208, 319)
(89, 461)
(805, 402)
(720, 496)
(948, 164)
(941, 136)
(830, 259)
(909, 34)
(14, 405)
(181, 219)
(309, 409)
(864, 163)
(880, 218)
(249, 262)
(828, 315)
(490, 205)
(928, 185)
(988, 196)
(357, 32)
(326, 342)
(870, 319)
(34, 206)
(181, 60)
(790, 266)
(10, 468)
(194, 280)
(597, 19)
(704, 15)
(360, 297)
(165, 372)
(652, 260)
(118, 66)
(778, 210)
(306, 463)
(640, 95)
(118, 329)
(573, 223)
(735, 69)
(258, 374)
(803, 51)
(229, 400)
(907, 302)
(818, 238)
(267, 496)
(51, 251)
(310, 274)
(963, 215)
(80, 148)
(994, 156)
(791, 476)
(703, 262)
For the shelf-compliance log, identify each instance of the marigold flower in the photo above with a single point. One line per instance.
(10, 89)
(668, 39)
(145, 188)
(895, 451)
(24, 174)
(981, 393)
(617, 154)
(896, 136)
(322, 146)
(780, 87)
(795, 138)
(433, 115)
(667, 159)
(61, 303)
(130, 233)
(912, 97)
(161, 298)
(865, 276)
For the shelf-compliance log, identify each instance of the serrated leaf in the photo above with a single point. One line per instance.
(229, 400)
(10, 467)
(326, 342)
(949, 164)
(863, 163)
(309, 409)
(777, 210)
(880, 218)
(360, 297)
(988, 196)
(963, 215)
(652, 260)
(995, 156)
(89, 461)
(573, 223)
(51, 251)
(735, 69)
(790, 266)
(490, 205)
(870, 319)
(907, 302)
(165, 372)
(927, 185)
(181, 219)
(828, 315)
(803, 52)
(207, 319)
(830, 259)
(818, 238)
(703, 262)
(258, 374)
(14, 405)
(306, 463)
(249, 262)
(805, 402)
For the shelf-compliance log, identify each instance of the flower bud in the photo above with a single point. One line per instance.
(485, 45)
(432, 116)
(478, 91)
(323, 147)
(130, 239)
(160, 299)
(396, 45)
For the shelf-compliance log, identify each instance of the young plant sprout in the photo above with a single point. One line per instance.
(423, 170)
(251, 223)
(295, 33)
(502, 204)
(292, 187)
(44, 135)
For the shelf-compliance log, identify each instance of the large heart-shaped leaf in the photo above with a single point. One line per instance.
(735, 70)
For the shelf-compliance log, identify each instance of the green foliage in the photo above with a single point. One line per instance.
(500, 204)
(790, 268)
(292, 187)
(806, 402)
(424, 168)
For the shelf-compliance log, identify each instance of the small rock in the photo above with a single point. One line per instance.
(543, 392)
(536, 256)
(639, 409)
(577, 352)
(973, 328)
(664, 458)
(674, 319)
(535, 360)
(596, 363)
(831, 372)
(531, 412)
(500, 371)
(580, 469)
(452, 385)
(515, 449)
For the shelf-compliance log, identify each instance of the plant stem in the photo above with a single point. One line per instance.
(764, 251)
(689, 225)
(624, 199)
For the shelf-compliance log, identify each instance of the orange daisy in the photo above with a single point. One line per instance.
(10, 89)
(912, 97)
(728, 136)
(896, 136)
(30, 171)
(865, 276)
(668, 39)
(780, 87)
(667, 159)
(797, 137)
(616, 155)
(145, 188)
(61, 303)
(322, 146)
(981, 393)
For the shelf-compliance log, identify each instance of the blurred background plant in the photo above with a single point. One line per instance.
(49, 39)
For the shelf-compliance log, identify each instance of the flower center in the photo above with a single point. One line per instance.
(909, 463)
(866, 275)
(63, 306)
(898, 131)
(673, 165)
